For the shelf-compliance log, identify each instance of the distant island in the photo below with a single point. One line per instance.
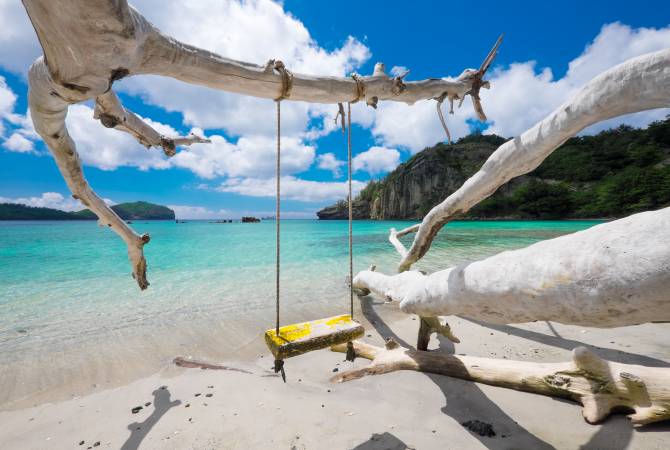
(127, 211)
(612, 174)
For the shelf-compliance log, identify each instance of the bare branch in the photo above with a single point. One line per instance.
(639, 84)
(612, 274)
(601, 386)
(48, 113)
(112, 114)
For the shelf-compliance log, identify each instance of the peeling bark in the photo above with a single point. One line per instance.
(602, 387)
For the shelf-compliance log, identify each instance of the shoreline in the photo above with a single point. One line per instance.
(256, 410)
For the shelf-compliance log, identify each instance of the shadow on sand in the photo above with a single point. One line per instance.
(384, 441)
(609, 354)
(139, 430)
(466, 401)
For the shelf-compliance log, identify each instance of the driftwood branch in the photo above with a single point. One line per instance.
(638, 84)
(612, 274)
(111, 114)
(82, 63)
(601, 386)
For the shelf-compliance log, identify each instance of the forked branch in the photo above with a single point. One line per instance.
(601, 386)
(638, 84)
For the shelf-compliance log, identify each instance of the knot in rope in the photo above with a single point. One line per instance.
(286, 80)
(360, 87)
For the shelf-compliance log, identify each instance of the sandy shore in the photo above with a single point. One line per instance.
(207, 409)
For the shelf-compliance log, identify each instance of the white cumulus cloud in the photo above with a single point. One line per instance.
(292, 188)
(18, 43)
(53, 200)
(524, 93)
(197, 212)
(250, 156)
(376, 160)
(19, 143)
(328, 161)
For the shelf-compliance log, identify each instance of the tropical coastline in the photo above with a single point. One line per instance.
(111, 347)
(259, 224)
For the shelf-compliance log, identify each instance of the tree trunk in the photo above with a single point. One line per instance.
(612, 274)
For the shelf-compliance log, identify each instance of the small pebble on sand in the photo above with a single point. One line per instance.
(208, 395)
(136, 409)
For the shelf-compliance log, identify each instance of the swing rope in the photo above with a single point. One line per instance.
(287, 81)
(278, 212)
(351, 234)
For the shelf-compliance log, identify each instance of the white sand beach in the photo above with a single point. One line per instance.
(229, 409)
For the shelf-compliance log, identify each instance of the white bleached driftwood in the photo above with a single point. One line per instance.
(638, 84)
(612, 274)
(90, 44)
(601, 386)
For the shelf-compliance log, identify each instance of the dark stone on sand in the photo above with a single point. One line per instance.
(81, 443)
(479, 427)
(97, 444)
(147, 404)
(336, 369)
(208, 395)
(136, 409)
(188, 405)
(198, 394)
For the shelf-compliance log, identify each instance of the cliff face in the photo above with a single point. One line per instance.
(426, 179)
(340, 210)
(419, 183)
(615, 173)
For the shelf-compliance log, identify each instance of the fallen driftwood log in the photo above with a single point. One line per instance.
(612, 274)
(602, 387)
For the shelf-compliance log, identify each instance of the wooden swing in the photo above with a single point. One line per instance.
(295, 339)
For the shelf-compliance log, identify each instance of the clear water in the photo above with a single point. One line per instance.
(69, 307)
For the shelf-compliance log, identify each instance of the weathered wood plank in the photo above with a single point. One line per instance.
(299, 338)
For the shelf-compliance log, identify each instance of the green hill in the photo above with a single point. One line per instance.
(612, 174)
(127, 211)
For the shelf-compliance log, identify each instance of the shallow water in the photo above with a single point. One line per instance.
(71, 315)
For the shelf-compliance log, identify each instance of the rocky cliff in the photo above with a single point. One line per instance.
(612, 174)
(419, 183)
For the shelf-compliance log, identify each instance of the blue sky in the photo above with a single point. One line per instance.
(549, 51)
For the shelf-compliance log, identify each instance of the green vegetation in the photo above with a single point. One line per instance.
(612, 174)
(14, 211)
(127, 211)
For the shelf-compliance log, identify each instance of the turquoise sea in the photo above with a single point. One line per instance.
(70, 309)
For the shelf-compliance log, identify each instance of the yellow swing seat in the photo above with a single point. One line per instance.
(299, 338)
